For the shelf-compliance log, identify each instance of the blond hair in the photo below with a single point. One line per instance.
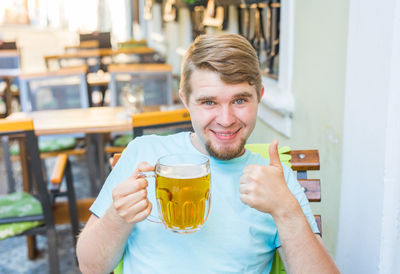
(229, 55)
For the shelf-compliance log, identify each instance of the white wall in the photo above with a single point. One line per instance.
(369, 222)
(35, 43)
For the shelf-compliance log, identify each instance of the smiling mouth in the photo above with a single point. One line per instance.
(225, 135)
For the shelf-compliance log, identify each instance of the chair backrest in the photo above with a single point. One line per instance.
(158, 122)
(303, 161)
(161, 122)
(9, 59)
(24, 127)
(89, 44)
(8, 45)
(62, 89)
(132, 44)
(104, 38)
(155, 79)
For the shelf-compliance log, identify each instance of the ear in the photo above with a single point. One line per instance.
(262, 92)
(183, 98)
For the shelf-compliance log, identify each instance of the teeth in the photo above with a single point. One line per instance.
(224, 134)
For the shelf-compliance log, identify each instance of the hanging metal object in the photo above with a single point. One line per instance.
(169, 11)
(147, 14)
(213, 16)
(274, 30)
(244, 20)
(197, 21)
(262, 42)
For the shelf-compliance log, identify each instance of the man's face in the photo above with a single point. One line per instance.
(223, 115)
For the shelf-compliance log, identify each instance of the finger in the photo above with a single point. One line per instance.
(140, 206)
(274, 155)
(130, 213)
(130, 200)
(128, 187)
(245, 198)
(141, 167)
(244, 188)
(253, 171)
(248, 169)
(140, 216)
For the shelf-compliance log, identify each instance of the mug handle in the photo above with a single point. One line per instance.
(150, 174)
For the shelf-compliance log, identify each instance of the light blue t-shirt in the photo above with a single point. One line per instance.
(235, 237)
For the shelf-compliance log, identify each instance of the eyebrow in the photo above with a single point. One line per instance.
(244, 94)
(206, 98)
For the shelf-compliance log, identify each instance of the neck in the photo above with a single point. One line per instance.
(198, 144)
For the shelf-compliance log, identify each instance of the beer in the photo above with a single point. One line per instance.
(182, 191)
(184, 202)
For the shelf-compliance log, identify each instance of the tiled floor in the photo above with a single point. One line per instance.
(13, 251)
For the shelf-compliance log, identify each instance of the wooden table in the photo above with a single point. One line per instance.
(98, 53)
(93, 122)
(82, 120)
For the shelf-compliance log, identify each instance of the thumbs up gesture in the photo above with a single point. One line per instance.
(264, 187)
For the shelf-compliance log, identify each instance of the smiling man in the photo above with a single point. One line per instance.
(257, 205)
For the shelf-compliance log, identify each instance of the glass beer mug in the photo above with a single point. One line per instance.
(132, 98)
(182, 191)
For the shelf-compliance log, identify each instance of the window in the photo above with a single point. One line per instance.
(277, 105)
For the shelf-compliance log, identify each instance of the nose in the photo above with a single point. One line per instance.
(226, 116)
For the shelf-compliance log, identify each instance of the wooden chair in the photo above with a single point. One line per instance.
(45, 207)
(301, 161)
(103, 38)
(62, 89)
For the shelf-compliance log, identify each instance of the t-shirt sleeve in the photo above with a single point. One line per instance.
(298, 192)
(121, 171)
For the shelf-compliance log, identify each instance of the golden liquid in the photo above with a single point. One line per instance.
(183, 203)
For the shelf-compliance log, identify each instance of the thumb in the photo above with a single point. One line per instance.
(274, 155)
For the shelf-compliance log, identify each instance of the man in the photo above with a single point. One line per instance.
(257, 205)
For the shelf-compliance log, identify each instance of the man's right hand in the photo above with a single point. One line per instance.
(130, 197)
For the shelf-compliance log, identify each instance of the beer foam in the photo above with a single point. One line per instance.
(183, 171)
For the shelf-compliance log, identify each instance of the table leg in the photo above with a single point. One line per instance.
(7, 161)
(101, 157)
(8, 96)
(91, 161)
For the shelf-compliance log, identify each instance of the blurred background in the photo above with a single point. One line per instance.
(331, 75)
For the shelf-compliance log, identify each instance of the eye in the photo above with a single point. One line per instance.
(240, 101)
(208, 103)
